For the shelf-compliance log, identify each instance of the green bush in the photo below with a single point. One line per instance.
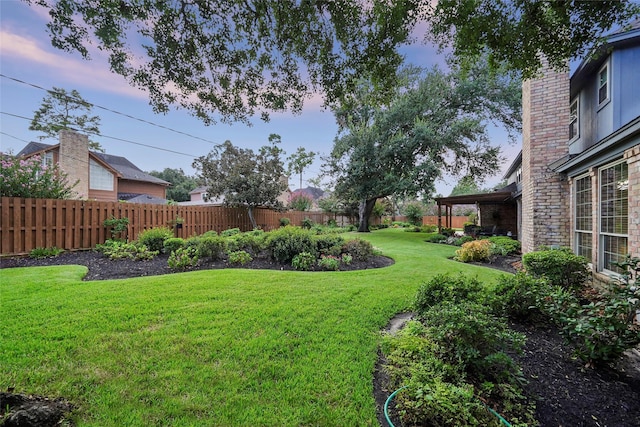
(307, 223)
(118, 226)
(446, 289)
(230, 232)
(117, 249)
(284, 222)
(329, 262)
(346, 259)
(467, 334)
(239, 257)
(183, 258)
(462, 240)
(287, 242)
(210, 247)
(414, 212)
(172, 244)
(413, 229)
(560, 267)
(436, 238)
(518, 297)
(359, 249)
(429, 228)
(251, 241)
(154, 238)
(45, 252)
(329, 244)
(474, 251)
(303, 261)
(503, 245)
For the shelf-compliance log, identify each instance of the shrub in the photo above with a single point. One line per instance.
(346, 259)
(117, 249)
(518, 297)
(303, 261)
(29, 179)
(183, 258)
(239, 257)
(307, 223)
(329, 262)
(45, 252)
(329, 244)
(414, 212)
(230, 232)
(446, 289)
(173, 243)
(503, 245)
(462, 240)
(359, 249)
(300, 202)
(447, 231)
(436, 238)
(251, 241)
(154, 238)
(413, 229)
(560, 266)
(429, 228)
(284, 222)
(287, 242)
(467, 334)
(477, 250)
(210, 247)
(118, 226)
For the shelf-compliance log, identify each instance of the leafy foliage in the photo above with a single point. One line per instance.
(503, 245)
(239, 257)
(359, 249)
(117, 249)
(476, 250)
(154, 238)
(244, 178)
(210, 247)
(45, 252)
(287, 242)
(303, 261)
(329, 262)
(299, 161)
(560, 266)
(173, 243)
(444, 289)
(118, 226)
(300, 201)
(414, 212)
(30, 179)
(181, 184)
(65, 110)
(183, 258)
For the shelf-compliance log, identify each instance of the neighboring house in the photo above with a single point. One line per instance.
(580, 159)
(101, 177)
(314, 193)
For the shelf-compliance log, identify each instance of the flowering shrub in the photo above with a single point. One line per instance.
(300, 202)
(29, 178)
(478, 250)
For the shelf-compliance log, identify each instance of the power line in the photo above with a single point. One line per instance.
(112, 111)
(115, 138)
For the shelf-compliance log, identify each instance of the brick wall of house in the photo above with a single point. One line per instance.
(545, 136)
(74, 160)
(504, 216)
(632, 157)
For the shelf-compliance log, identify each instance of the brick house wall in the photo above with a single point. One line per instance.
(545, 133)
(632, 156)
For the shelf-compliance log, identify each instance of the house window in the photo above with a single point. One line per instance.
(583, 217)
(47, 160)
(574, 112)
(603, 84)
(519, 175)
(99, 177)
(614, 215)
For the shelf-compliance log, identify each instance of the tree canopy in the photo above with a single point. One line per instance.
(299, 161)
(181, 184)
(232, 59)
(243, 177)
(435, 125)
(65, 110)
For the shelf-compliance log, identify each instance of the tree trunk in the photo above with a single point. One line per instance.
(364, 212)
(251, 218)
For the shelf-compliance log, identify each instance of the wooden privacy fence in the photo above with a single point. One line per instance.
(27, 224)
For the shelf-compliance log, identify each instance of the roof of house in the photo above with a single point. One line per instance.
(502, 195)
(313, 192)
(124, 167)
(141, 198)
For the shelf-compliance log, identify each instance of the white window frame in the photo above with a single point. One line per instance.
(577, 231)
(575, 119)
(602, 235)
(47, 159)
(606, 99)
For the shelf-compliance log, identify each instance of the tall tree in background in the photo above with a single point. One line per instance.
(244, 178)
(65, 110)
(181, 184)
(238, 58)
(299, 161)
(436, 125)
(466, 185)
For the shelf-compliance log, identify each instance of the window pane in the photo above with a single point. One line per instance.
(99, 177)
(603, 85)
(614, 214)
(583, 245)
(614, 250)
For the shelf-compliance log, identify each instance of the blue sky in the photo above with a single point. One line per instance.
(26, 54)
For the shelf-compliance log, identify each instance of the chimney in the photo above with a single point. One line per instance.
(74, 160)
(545, 136)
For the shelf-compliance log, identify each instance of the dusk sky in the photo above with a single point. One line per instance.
(26, 54)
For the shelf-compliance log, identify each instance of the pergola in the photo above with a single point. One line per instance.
(502, 196)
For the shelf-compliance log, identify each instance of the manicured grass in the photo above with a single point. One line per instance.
(221, 347)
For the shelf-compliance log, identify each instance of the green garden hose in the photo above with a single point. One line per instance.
(386, 409)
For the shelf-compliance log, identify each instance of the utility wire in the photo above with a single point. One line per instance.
(193, 156)
(110, 110)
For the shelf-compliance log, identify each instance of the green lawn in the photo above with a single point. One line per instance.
(220, 347)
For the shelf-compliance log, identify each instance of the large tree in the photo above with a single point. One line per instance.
(231, 59)
(435, 125)
(181, 184)
(299, 161)
(65, 110)
(243, 177)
